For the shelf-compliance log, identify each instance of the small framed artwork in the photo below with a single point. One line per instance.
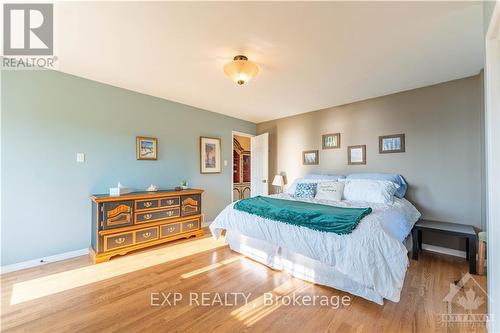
(356, 155)
(331, 141)
(146, 148)
(210, 153)
(391, 144)
(310, 157)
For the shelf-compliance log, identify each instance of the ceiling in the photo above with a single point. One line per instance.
(311, 55)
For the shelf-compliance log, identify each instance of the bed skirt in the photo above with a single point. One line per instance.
(297, 265)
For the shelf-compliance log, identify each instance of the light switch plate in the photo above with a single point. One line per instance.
(80, 157)
(225, 162)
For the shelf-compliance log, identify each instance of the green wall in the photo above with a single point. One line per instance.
(48, 116)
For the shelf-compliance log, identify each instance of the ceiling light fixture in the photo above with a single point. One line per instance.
(241, 70)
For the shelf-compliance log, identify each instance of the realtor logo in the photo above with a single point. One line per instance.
(466, 303)
(28, 29)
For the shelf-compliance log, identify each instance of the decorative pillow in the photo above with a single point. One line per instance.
(305, 190)
(291, 189)
(376, 191)
(330, 191)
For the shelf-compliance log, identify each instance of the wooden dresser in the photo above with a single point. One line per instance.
(132, 221)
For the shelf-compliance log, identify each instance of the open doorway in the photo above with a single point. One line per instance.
(250, 156)
(242, 166)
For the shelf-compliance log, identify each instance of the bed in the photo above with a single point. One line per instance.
(370, 262)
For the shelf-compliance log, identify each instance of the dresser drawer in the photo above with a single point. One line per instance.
(191, 225)
(146, 235)
(169, 202)
(171, 229)
(157, 215)
(117, 241)
(190, 204)
(146, 204)
(117, 214)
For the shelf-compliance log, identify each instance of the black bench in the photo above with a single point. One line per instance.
(452, 229)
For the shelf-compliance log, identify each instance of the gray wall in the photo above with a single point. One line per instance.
(442, 163)
(47, 117)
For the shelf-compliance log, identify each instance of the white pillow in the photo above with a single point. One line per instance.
(332, 178)
(376, 191)
(331, 191)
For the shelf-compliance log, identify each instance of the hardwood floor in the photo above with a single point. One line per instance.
(76, 296)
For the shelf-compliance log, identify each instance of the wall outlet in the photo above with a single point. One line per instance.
(80, 157)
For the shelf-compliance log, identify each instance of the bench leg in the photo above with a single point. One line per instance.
(467, 252)
(414, 238)
(472, 255)
(420, 239)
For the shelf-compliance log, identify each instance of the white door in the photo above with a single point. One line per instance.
(259, 150)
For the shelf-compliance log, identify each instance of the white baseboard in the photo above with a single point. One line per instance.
(444, 250)
(56, 257)
(44, 260)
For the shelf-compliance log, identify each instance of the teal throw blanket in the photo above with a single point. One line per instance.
(318, 217)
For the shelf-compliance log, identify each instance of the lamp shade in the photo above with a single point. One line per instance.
(278, 181)
(241, 70)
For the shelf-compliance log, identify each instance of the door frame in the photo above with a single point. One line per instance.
(233, 133)
(492, 143)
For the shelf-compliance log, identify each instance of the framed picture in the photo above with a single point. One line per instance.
(210, 152)
(146, 148)
(331, 141)
(356, 155)
(391, 144)
(310, 157)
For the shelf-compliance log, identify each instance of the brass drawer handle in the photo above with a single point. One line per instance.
(190, 225)
(146, 235)
(148, 216)
(171, 229)
(120, 240)
(170, 213)
(170, 202)
(148, 204)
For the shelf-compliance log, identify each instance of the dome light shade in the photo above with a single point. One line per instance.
(241, 70)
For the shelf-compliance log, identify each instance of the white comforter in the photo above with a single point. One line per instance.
(372, 255)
